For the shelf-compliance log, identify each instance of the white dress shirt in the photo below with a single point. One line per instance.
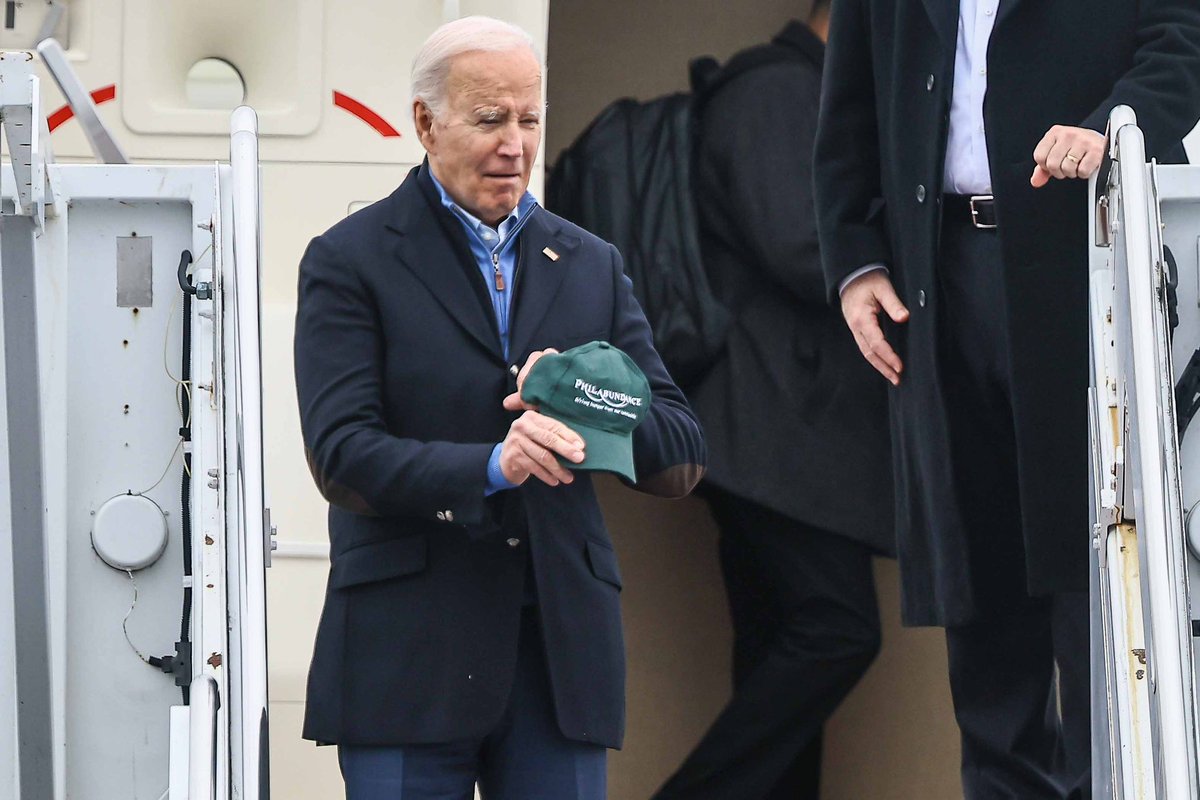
(966, 169)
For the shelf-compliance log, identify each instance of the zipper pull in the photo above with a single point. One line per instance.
(499, 276)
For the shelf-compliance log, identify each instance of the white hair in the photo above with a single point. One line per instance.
(467, 35)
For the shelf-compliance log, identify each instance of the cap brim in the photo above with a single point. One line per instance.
(604, 451)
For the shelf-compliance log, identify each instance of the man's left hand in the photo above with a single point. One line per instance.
(514, 402)
(1066, 152)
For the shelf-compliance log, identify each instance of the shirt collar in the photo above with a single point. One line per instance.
(524, 206)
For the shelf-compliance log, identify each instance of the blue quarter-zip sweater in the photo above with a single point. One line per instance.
(495, 252)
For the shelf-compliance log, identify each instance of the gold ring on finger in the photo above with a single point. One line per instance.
(1072, 158)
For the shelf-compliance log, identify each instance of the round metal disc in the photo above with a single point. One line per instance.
(129, 532)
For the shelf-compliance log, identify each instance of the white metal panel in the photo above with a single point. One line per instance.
(362, 49)
(276, 45)
(8, 672)
(179, 760)
(117, 718)
(99, 359)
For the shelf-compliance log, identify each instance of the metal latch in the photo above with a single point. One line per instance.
(269, 537)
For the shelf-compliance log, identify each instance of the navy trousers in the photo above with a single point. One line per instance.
(525, 758)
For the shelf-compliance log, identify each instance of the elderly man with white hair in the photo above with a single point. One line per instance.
(471, 631)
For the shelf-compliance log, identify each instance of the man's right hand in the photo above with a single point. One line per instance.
(862, 300)
(531, 446)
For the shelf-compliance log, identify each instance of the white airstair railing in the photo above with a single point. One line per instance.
(1160, 524)
(1148, 718)
(244, 410)
(202, 739)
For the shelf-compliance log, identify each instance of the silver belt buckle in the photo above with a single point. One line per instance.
(975, 212)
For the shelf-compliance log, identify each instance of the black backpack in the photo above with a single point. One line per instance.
(628, 179)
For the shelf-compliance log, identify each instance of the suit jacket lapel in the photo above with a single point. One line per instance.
(944, 16)
(426, 249)
(539, 276)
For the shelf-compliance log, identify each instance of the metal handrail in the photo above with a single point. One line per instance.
(254, 529)
(202, 738)
(102, 142)
(1160, 517)
(286, 548)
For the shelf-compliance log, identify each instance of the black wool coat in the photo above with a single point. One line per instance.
(794, 418)
(880, 153)
(400, 376)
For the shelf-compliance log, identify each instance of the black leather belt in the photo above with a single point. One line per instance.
(977, 210)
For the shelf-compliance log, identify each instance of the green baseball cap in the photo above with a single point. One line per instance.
(597, 391)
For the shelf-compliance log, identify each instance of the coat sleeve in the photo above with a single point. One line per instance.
(759, 132)
(1163, 84)
(849, 203)
(356, 463)
(668, 446)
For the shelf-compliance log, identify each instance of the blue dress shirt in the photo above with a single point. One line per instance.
(495, 252)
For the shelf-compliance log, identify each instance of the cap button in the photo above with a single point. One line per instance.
(605, 345)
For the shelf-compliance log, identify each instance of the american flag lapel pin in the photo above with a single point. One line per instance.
(550, 254)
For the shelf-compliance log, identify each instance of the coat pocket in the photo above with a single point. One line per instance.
(603, 561)
(380, 561)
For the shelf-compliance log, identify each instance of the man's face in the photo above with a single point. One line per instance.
(483, 144)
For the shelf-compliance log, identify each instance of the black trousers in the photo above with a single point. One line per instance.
(806, 627)
(1025, 725)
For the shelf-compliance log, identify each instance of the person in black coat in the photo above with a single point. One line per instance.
(796, 426)
(954, 141)
(471, 628)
